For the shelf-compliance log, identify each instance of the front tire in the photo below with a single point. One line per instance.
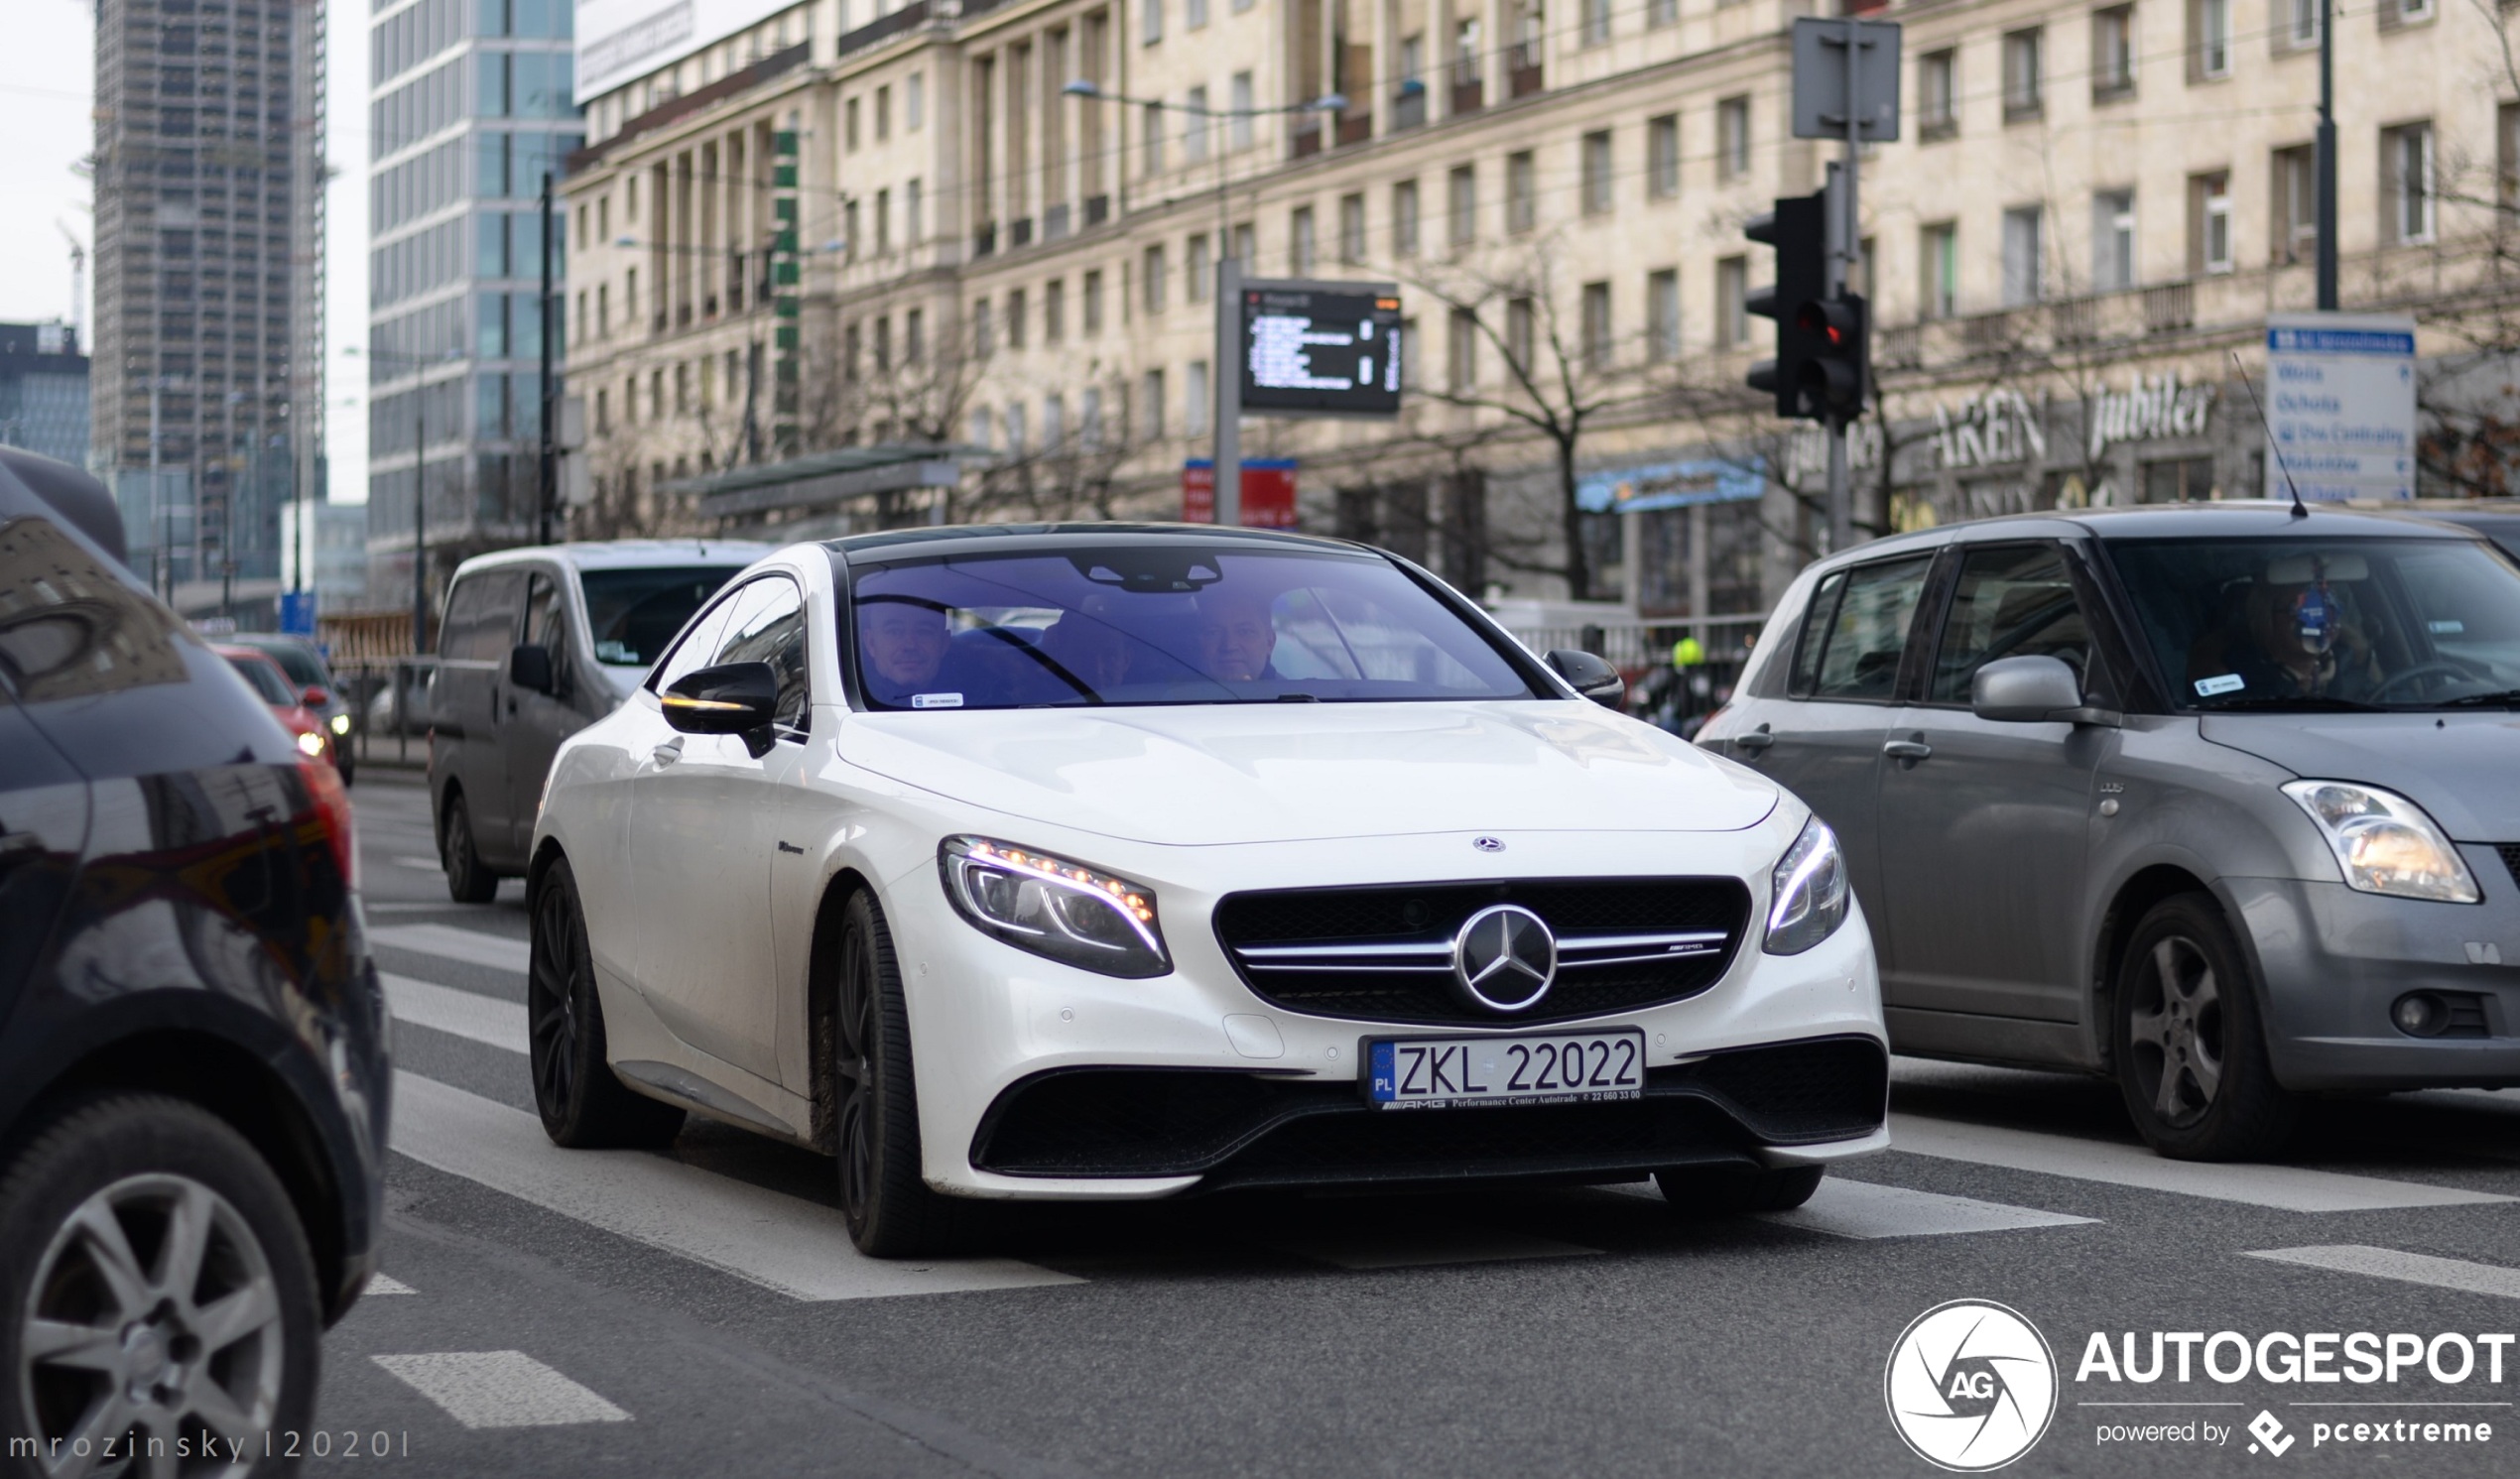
(1737, 1190)
(468, 879)
(891, 1211)
(583, 1103)
(2190, 1048)
(153, 1281)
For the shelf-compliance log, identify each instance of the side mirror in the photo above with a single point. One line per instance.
(312, 696)
(2029, 690)
(1589, 675)
(530, 667)
(735, 698)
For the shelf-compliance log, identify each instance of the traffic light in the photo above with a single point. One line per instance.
(1831, 374)
(1799, 230)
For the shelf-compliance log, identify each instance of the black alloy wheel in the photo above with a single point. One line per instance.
(468, 879)
(583, 1103)
(1736, 1190)
(2189, 1049)
(891, 1211)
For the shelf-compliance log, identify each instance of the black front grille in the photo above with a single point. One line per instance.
(2511, 858)
(1383, 953)
(1245, 1129)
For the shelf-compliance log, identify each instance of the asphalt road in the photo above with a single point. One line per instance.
(700, 1311)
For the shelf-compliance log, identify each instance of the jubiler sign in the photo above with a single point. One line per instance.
(2340, 404)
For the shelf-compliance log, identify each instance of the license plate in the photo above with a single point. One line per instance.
(1460, 1072)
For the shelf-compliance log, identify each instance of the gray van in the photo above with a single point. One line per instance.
(537, 644)
(2221, 800)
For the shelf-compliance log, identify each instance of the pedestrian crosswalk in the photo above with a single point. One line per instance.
(800, 1249)
(500, 1389)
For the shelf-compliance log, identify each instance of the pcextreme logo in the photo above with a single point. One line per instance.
(1971, 1385)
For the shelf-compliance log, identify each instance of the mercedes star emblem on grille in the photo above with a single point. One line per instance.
(1504, 957)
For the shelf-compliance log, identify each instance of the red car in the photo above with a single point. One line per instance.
(290, 706)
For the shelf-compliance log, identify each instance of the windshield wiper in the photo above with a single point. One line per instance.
(2305, 702)
(2507, 697)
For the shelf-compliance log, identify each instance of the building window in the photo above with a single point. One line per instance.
(1660, 12)
(1092, 302)
(1089, 419)
(1460, 350)
(1238, 119)
(1193, 15)
(912, 198)
(1015, 438)
(913, 337)
(1411, 346)
(1196, 272)
(1662, 314)
(1017, 324)
(1151, 394)
(848, 124)
(1938, 275)
(883, 114)
(1520, 339)
(1298, 245)
(2210, 39)
(2406, 182)
(2209, 223)
(1194, 127)
(914, 103)
(2022, 274)
(1151, 24)
(883, 221)
(883, 343)
(2395, 13)
(1404, 219)
(2112, 53)
(1150, 140)
(2507, 157)
(2295, 187)
(1597, 348)
(1194, 399)
(1054, 421)
(1938, 76)
(1054, 312)
(983, 334)
(1732, 301)
(1522, 192)
(1662, 156)
(2113, 241)
(1733, 138)
(1351, 228)
(1151, 278)
(1596, 172)
(1464, 204)
(1596, 22)
(2025, 73)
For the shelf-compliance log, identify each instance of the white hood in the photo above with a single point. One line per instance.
(1209, 773)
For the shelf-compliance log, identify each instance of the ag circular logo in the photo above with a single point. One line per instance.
(1972, 1386)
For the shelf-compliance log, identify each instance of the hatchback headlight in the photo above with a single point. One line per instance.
(1808, 891)
(341, 724)
(1054, 907)
(2384, 842)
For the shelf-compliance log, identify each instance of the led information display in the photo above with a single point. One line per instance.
(1324, 348)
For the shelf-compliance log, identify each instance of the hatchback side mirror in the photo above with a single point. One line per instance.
(733, 698)
(530, 667)
(1590, 676)
(2032, 691)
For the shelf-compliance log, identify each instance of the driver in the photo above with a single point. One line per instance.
(1237, 635)
(2292, 640)
(904, 644)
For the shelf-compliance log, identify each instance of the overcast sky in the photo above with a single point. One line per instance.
(48, 78)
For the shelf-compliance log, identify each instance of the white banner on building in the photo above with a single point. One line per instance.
(622, 40)
(2340, 404)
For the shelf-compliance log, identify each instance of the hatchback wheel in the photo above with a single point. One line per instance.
(468, 880)
(154, 1284)
(582, 1102)
(2191, 1050)
(891, 1211)
(1734, 1190)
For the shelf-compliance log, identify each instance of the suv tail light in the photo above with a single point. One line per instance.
(332, 813)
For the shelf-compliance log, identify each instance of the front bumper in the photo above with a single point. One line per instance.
(1037, 1081)
(2335, 960)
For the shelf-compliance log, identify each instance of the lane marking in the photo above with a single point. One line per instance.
(451, 943)
(425, 865)
(2407, 1268)
(387, 1284)
(1869, 1209)
(2289, 1189)
(1419, 1248)
(465, 1013)
(500, 1389)
(782, 1243)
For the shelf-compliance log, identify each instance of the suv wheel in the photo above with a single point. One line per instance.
(581, 1103)
(891, 1211)
(468, 880)
(154, 1284)
(1734, 1190)
(2190, 1049)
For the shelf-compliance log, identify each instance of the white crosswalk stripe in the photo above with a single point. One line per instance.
(1868, 1209)
(465, 1013)
(797, 1248)
(2409, 1268)
(2290, 1188)
(387, 1284)
(500, 1389)
(448, 943)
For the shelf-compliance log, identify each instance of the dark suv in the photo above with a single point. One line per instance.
(192, 1056)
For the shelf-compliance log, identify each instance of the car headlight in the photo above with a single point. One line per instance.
(310, 743)
(341, 724)
(1054, 907)
(2384, 842)
(1807, 890)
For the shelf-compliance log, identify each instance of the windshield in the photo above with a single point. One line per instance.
(1167, 623)
(633, 614)
(2304, 625)
(304, 668)
(266, 680)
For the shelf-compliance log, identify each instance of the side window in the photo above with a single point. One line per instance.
(481, 623)
(768, 626)
(1815, 635)
(463, 612)
(2012, 601)
(546, 623)
(1868, 631)
(698, 646)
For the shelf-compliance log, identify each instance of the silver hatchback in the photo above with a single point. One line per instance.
(2221, 800)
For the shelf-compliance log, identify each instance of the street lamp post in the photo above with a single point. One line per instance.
(545, 462)
(2326, 150)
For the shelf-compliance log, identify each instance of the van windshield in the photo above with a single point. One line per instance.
(2309, 625)
(1162, 623)
(632, 614)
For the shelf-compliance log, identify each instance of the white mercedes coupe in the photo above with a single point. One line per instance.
(1129, 861)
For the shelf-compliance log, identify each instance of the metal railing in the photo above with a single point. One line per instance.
(388, 705)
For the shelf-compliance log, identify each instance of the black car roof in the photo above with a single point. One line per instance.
(1005, 539)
